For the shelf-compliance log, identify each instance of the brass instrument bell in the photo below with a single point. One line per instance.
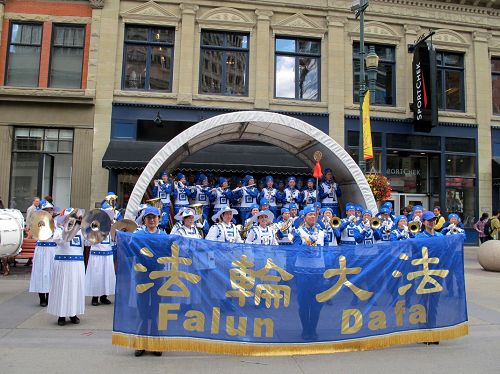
(156, 202)
(125, 225)
(41, 225)
(335, 222)
(96, 226)
(414, 227)
(375, 223)
(72, 223)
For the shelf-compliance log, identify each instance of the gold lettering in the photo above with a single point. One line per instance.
(378, 321)
(195, 321)
(418, 314)
(399, 310)
(215, 320)
(242, 326)
(257, 327)
(346, 319)
(164, 316)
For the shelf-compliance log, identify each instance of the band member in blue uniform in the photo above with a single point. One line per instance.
(187, 227)
(308, 195)
(220, 196)
(262, 233)
(386, 225)
(348, 226)
(359, 211)
(309, 269)
(284, 227)
(453, 225)
(248, 194)
(364, 233)
(163, 190)
(111, 198)
(329, 192)
(400, 230)
(200, 193)
(151, 219)
(429, 221)
(290, 194)
(416, 213)
(182, 193)
(269, 193)
(331, 234)
(224, 231)
(294, 211)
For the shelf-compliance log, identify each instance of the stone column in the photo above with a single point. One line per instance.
(103, 47)
(2, 11)
(263, 77)
(335, 78)
(185, 94)
(6, 139)
(404, 89)
(482, 76)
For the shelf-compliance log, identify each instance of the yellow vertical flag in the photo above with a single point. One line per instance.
(367, 131)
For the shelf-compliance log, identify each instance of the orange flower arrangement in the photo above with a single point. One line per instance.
(380, 186)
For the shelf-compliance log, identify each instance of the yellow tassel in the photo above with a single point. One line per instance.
(276, 349)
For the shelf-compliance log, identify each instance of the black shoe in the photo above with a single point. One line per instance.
(61, 321)
(157, 353)
(431, 343)
(74, 320)
(43, 299)
(95, 301)
(139, 352)
(104, 300)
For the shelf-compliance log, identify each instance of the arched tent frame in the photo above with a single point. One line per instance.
(291, 134)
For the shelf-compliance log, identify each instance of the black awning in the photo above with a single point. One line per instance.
(129, 154)
(244, 158)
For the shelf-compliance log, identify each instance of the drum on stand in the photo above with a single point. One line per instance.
(11, 232)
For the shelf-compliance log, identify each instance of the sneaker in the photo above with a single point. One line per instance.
(74, 320)
(104, 300)
(61, 321)
(95, 301)
(139, 352)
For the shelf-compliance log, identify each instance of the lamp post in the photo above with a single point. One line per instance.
(371, 67)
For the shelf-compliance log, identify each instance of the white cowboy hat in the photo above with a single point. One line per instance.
(186, 212)
(267, 213)
(217, 215)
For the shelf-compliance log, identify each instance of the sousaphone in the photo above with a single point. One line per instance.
(96, 226)
(41, 225)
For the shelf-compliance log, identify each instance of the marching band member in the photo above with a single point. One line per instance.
(254, 210)
(331, 233)
(291, 194)
(294, 210)
(269, 193)
(100, 278)
(220, 196)
(43, 263)
(225, 230)
(386, 225)
(401, 232)
(453, 226)
(67, 283)
(364, 233)
(163, 190)
(309, 268)
(281, 222)
(187, 227)
(262, 233)
(201, 194)
(428, 221)
(329, 192)
(348, 226)
(308, 195)
(248, 194)
(181, 193)
(416, 213)
(111, 198)
(359, 211)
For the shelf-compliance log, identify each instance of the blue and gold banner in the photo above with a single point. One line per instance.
(180, 294)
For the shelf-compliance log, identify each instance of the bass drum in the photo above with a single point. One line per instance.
(11, 233)
(16, 213)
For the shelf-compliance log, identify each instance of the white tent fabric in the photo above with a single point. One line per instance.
(293, 135)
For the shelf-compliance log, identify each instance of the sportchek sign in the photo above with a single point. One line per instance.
(425, 112)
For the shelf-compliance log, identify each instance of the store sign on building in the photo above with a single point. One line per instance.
(425, 111)
(406, 172)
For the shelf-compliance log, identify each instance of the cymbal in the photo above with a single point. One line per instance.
(41, 225)
(96, 225)
(125, 225)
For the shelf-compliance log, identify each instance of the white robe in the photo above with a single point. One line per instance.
(43, 264)
(100, 278)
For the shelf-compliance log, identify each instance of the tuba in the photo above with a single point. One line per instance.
(156, 202)
(414, 227)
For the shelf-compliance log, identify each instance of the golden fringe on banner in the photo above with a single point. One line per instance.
(166, 344)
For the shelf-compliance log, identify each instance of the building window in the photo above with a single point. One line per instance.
(41, 165)
(386, 74)
(67, 56)
(450, 81)
(148, 58)
(297, 68)
(224, 63)
(24, 55)
(495, 84)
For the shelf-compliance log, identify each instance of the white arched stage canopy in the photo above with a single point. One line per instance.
(293, 135)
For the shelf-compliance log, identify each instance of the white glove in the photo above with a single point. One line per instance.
(156, 183)
(334, 185)
(352, 218)
(366, 225)
(199, 225)
(417, 219)
(451, 226)
(406, 229)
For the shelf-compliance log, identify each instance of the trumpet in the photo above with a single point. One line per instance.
(334, 222)
(375, 223)
(414, 227)
(455, 230)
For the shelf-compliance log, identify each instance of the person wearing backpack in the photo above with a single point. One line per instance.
(495, 225)
(479, 227)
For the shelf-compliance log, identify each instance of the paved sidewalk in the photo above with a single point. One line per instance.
(31, 341)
